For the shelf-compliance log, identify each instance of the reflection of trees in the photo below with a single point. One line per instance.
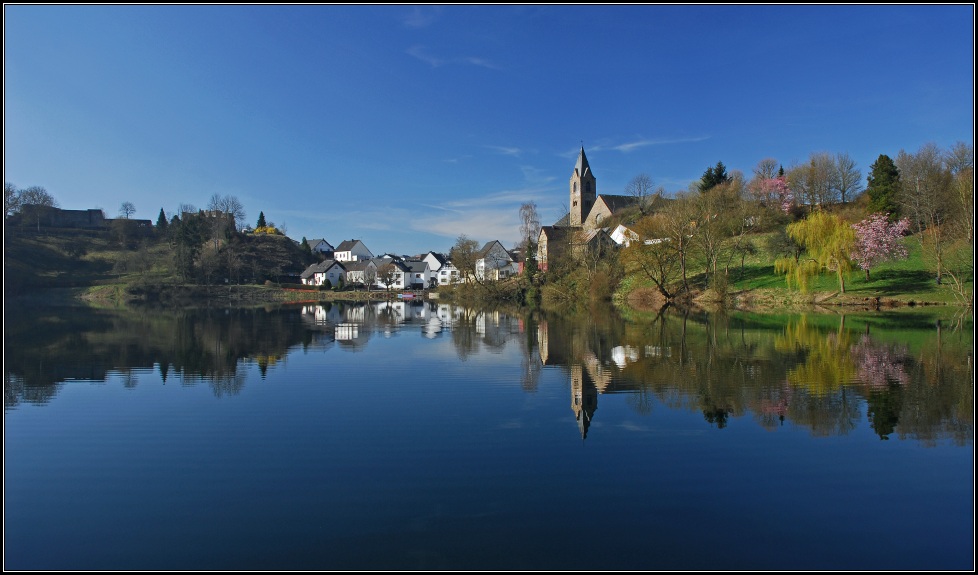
(46, 345)
(815, 371)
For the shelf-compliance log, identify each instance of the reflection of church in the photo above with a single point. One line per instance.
(588, 377)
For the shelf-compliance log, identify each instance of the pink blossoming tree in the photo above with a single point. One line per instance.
(773, 192)
(879, 240)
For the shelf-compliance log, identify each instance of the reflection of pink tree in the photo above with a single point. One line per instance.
(879, 365)
(878, 240)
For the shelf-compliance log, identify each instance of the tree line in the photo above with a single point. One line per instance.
(813, 218)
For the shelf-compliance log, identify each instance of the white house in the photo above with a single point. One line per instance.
(419, 274)
(317, 274)
(320, 246)
(394, 277)
(361, 272)
(351, 251)
(624, 236)
(494, 262)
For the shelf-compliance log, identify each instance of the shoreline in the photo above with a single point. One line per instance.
(189, 296)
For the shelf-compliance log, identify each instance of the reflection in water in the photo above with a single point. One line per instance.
(912, 378)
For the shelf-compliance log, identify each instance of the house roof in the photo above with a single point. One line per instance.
(555, 231)
(321, 267)
(416, 266)
(563, 222)
(358, 265)
(347, 245)
(488, 247)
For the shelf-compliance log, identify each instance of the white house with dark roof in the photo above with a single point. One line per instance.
(420, 276)
(494, 262)
(361, 272)
(351, 251)
(318, 273)
(320, 246)
(399, 273)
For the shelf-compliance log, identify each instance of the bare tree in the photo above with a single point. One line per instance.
(529, 226)
(814, 181)
(766, 169)
(27, 201)
(229, 206)
(386, 273)
(926, 195)
(848, 178)
(642, 187)
(11, 199)
(464, 255)
(127, 209)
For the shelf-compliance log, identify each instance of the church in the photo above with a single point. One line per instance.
(581, 227)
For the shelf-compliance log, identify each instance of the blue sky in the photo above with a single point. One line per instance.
(405, 126)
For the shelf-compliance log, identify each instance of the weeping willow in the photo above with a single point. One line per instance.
(828, 240)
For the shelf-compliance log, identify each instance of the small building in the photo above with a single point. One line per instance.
(351, 251)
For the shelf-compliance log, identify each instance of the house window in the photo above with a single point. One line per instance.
(417, 275)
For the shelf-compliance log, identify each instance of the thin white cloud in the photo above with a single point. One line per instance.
(421, 17)
(506, 151)
(421, 53)
(634, 145)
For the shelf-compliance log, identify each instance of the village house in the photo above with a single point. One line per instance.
(321, 246)
(317, 274)
(494, 262)
(351, 251)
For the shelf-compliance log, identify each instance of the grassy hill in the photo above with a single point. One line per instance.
(67, 258)
(904, 282)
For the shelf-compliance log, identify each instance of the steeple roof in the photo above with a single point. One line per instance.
(582, 167)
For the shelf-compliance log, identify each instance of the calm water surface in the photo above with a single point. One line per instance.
(416, 436)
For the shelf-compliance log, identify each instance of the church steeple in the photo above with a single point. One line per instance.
(583, 190)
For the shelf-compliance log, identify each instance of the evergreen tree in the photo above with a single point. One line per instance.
(713, 177)
(304, 245)
(883, 185)
(261, 219)
(161, 222)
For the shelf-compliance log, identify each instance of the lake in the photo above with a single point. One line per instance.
(417, 436)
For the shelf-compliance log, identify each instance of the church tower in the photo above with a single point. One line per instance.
(583, 191)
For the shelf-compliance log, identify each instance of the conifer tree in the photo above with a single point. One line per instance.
(883, 185)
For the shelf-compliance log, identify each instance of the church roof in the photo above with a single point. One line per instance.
(616, 203)
(582, 166)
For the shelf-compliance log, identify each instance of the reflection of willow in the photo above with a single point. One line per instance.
(828, 364)
(822, 399)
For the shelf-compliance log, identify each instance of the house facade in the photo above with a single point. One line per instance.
(351, 251)
(320, 246)
(318, 273)
(494, 262)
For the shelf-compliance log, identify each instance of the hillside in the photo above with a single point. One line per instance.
(67, 258)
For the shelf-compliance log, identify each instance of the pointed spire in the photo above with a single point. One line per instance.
(582, 166)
